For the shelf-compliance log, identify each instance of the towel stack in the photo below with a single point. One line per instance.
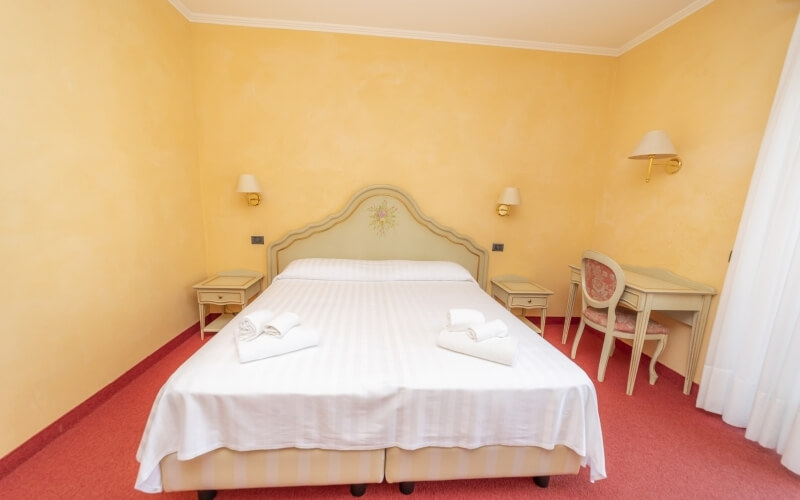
(263, 334)
(468, 332)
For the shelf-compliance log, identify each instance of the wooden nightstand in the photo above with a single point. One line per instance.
(226, 288)
(518, 292)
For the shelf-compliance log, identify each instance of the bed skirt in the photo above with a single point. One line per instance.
(227, 469)
(224, 469)
(434, 464)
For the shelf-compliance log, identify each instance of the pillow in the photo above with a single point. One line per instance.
(374, 270)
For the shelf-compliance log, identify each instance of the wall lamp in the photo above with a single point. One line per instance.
(655, 145)
(509, 196)
(249, 184)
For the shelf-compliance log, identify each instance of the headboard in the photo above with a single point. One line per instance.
(379, 222)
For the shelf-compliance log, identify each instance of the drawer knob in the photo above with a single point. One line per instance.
(219, 297)
(529, 301)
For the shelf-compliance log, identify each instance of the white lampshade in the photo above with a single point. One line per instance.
(248, 184)
(509, 196)
(654, 144)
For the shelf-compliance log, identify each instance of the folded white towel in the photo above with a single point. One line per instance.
(482, 331)
(459, 320)
(497, 349)
(282, 323)
(252, 324)
(265, 346)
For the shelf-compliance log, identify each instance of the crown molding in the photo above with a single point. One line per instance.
(396, 33)
(347, 29)
(180, 7)
(668, 22)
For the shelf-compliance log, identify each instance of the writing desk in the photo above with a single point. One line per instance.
(653, 289)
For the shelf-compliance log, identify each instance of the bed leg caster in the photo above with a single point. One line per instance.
(358, 489)
(541, 481)
(407, 487)
(206, 494)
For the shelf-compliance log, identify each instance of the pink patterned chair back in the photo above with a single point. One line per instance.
(600, 280)
(603, 280)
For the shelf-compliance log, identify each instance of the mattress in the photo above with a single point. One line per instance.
(376, 380)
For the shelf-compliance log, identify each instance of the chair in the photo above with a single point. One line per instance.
(602, 284)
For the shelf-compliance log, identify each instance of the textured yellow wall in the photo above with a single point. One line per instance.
(318, 116)
(99, 201)
(709, 81)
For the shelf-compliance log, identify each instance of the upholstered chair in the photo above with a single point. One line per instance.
(602, 284)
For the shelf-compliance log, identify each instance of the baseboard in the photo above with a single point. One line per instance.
(44, 437)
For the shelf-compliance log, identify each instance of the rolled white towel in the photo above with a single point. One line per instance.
(281, 324)
(252, 324)
(265, 346)
(459, 320)
(482, 331)
(498, 349)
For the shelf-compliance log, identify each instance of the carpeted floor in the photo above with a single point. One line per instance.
(658, 445)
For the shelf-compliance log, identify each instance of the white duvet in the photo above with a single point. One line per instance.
(377, 378)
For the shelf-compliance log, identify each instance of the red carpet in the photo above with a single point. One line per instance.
(658, 445)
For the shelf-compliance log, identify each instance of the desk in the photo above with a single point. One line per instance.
(653, 289)
(229, 287)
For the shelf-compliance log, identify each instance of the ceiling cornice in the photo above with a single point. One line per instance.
(184, 10)
(663, 25)
(437, 37)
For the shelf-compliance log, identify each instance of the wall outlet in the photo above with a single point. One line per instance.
(256, 240)
(497, 247)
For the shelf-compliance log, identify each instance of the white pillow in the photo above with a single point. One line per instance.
(374, 270)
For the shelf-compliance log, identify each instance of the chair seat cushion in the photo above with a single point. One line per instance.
(625, 322)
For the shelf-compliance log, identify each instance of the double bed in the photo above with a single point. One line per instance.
(377, 399)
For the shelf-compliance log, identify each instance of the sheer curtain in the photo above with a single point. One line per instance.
(752, 371)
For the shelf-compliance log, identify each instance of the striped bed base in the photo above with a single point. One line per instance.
(430, 464)
(227, 469)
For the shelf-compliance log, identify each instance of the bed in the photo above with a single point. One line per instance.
(376, 399)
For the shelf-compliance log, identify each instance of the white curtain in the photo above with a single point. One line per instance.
(752, 371)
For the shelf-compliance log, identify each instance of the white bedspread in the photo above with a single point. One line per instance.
(376, 380)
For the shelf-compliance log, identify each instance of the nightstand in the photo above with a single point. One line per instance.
(518, 292)
(226, 288)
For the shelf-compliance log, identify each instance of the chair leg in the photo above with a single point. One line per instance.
(577, 338)
(608, 346)
(613, 348)
(662, 343)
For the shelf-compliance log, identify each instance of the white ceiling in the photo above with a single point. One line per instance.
(604, 27)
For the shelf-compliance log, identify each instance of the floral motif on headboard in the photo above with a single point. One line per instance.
(382, 217)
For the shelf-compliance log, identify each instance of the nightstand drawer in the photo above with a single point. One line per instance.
(525, 301)
(220, 297)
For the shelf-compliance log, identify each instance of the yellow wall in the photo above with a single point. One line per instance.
(317, 116)
(99, 201)
(709, 81)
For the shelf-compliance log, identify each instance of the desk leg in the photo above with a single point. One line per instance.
(568, 313)
(642, 318)
(202, 320)
(695, 341)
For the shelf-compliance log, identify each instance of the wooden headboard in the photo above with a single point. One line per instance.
(379, 223)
